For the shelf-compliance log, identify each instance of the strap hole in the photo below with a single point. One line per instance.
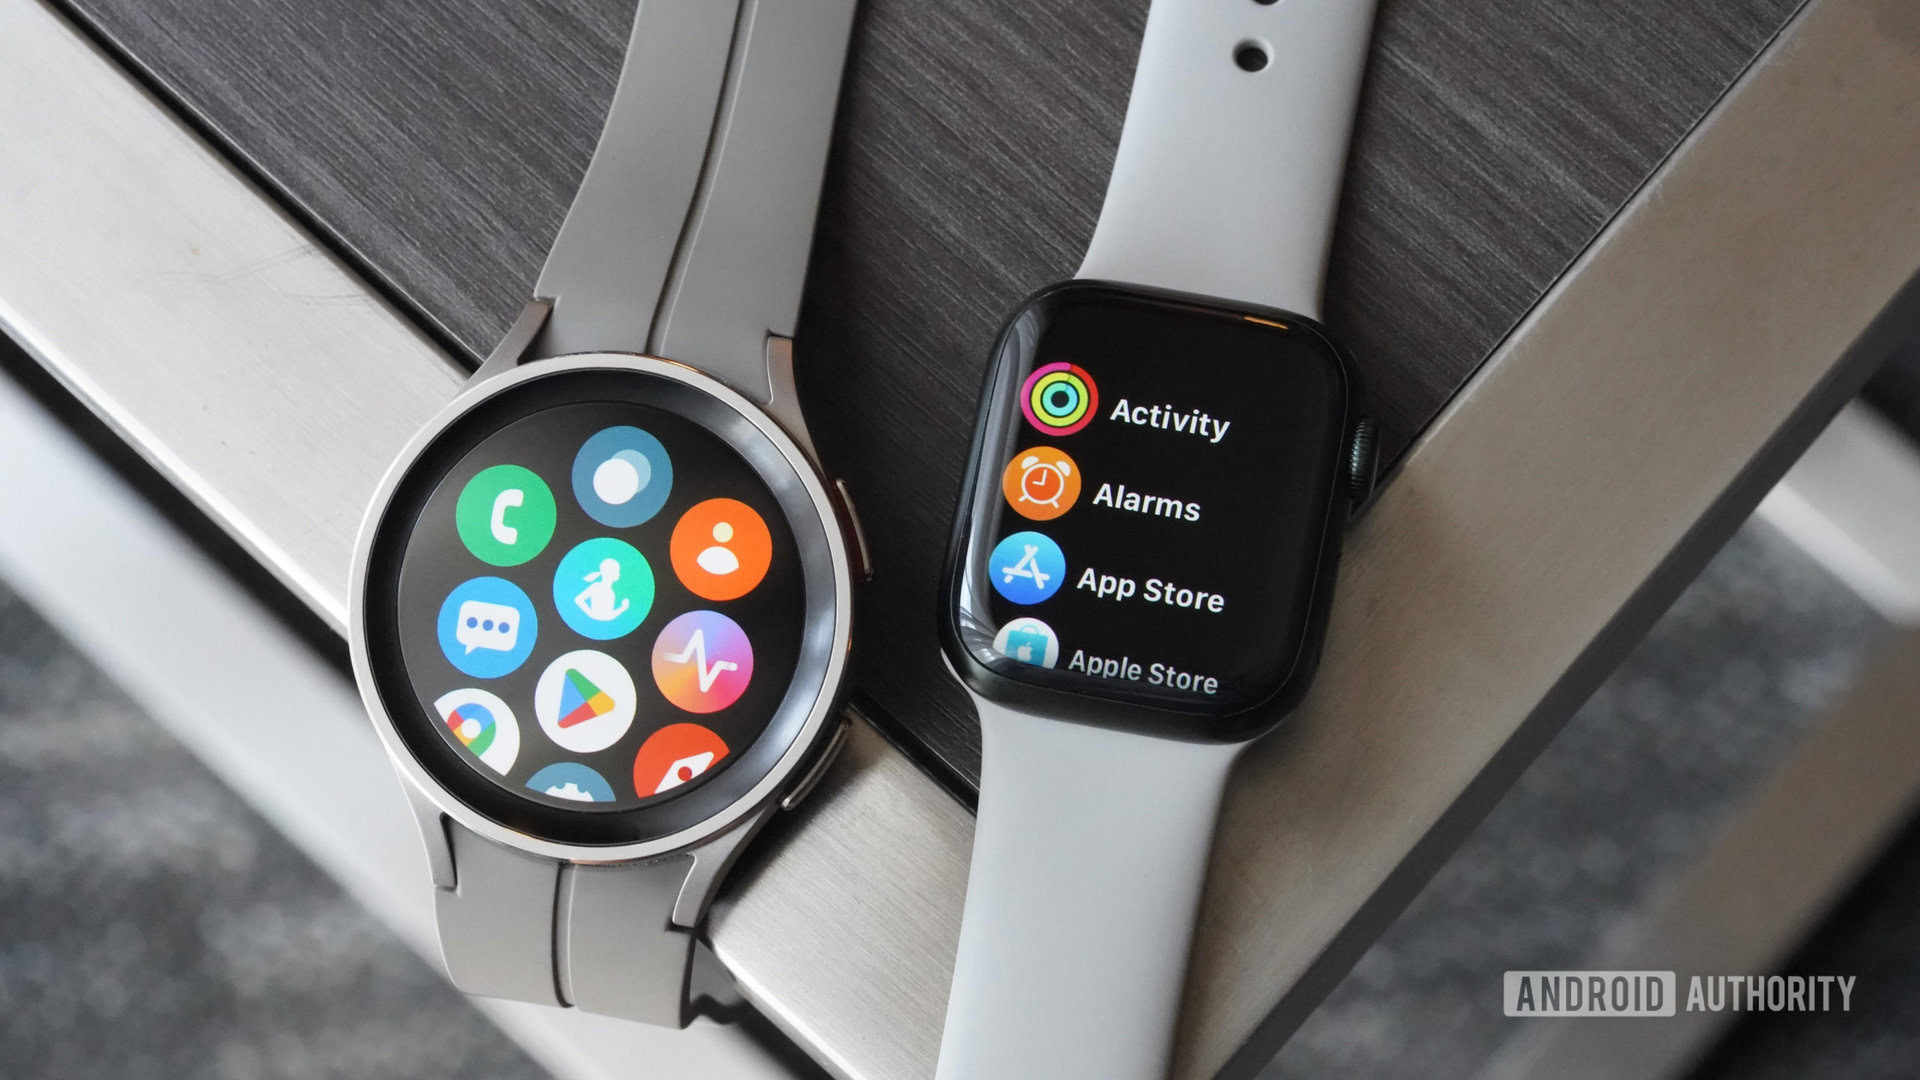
(1250, 55)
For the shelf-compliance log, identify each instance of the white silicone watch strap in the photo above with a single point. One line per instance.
(1089, 857)
(690, 234)
(1226, 180)
(1091, 845)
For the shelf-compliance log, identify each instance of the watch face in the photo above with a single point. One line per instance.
(1149, 512)
(593, 607)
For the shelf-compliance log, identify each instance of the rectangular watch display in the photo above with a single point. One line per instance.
(1148, 511)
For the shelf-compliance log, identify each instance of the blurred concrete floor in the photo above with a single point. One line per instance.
(153, 926)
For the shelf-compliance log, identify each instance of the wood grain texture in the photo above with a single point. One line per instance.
(439, 144)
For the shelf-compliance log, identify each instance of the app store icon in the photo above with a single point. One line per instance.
(1027, 567)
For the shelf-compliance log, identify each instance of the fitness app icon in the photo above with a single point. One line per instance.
(571, 780)
(674, 755)
(1029, 641)
(505, 515)
(603, 588)
(1059, 399)
(702, 661)
(585, 701)
(483, 724)
(487, 627)
(1041, 483)
(1027, 567)
(622, 476)
(721, 549)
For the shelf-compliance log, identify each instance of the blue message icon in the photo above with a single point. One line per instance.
(487, 627)
(1027, 567)
(622, 476)
(571, 780)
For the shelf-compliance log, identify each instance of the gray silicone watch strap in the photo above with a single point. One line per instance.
(600, 938)
(1089, 857)
(1226, 180)
(688, 240)
(690, 234)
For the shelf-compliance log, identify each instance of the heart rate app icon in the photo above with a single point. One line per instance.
(675, 755)
(585, 701)
(702, 661)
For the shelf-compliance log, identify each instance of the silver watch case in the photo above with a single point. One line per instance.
(820, 710)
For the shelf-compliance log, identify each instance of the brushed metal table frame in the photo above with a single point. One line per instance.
(1530, 535)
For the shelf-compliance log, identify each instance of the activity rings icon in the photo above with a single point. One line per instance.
(1041, 483)
(1059, 399)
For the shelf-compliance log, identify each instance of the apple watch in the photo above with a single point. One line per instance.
(601, 604)
(1167, 451)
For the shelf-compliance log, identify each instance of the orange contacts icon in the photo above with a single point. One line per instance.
(721, 549)
(1041, 483)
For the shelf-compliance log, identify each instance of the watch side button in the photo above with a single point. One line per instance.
(819, 767)
(862, 557)
(1363, 460)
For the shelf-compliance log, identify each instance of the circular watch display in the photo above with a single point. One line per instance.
(594, 598)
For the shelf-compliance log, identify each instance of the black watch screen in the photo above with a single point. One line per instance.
(1155, 487)
(589, 596)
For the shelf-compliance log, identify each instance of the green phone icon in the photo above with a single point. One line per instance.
(505, 515)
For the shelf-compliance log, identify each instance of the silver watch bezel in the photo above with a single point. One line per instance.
(819, 713)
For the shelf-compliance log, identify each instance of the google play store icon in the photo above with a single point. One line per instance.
(580, 700)
(584, 701)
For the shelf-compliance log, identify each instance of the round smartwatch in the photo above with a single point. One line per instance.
(1167, 451)
(601, 605)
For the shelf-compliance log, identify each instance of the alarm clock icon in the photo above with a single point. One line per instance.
(1041, 484)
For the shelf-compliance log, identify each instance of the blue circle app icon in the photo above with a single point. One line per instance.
(603, 588)
(1027, 567)
(622, 476)
(487, 627)
(571, 780)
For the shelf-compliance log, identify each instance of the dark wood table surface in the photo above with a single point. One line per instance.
(437, 144)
